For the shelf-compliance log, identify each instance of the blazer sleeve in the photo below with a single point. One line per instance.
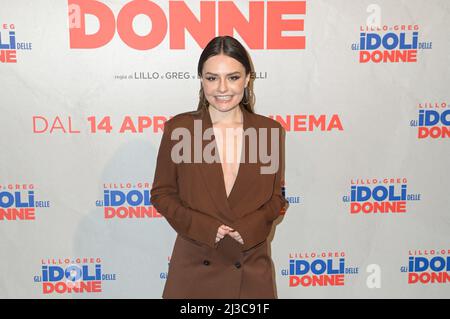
(187, 222)
(256, 226)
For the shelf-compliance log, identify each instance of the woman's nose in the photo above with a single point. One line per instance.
(222, 85)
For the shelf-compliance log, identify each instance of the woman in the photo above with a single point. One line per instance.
(222, 209)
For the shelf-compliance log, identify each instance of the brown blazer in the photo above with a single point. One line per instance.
(192, 197)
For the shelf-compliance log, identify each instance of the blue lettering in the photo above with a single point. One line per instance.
(362, 41)
(72, 272)
(317, 267)
(433, 262)
(298, 267)
(55, 273)
(44, 273)
(131, 198)
(444, 116)
(12, 42)
(16, 199)
(363, 193)
(373, 45)
(432, 118)
(394, 39)
(384, 193)
(379, 193)
(389, 41)
(420, 264)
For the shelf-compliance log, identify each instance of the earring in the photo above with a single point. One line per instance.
(203, 98)
(246, 99)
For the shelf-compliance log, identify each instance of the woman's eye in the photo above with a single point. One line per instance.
(233, 78)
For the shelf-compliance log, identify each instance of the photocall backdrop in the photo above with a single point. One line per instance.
(361, 88)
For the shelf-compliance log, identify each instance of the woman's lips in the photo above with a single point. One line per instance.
(223, 98)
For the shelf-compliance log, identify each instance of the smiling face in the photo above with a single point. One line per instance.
(224, 80)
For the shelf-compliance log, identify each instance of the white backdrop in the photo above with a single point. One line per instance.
(350, 125)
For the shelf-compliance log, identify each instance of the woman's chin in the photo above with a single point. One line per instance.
(224, 107)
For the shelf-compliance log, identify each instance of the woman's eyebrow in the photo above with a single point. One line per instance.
(236, 72)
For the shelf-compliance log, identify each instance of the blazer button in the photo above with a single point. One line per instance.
(206, 262)
(237, 264)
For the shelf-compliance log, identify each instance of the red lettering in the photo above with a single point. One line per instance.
(41, 124)
(125, 24)
(78, 37)
(131, 212)
(314, 280)
(17, 214)
(276, 25)
(378, 207)
(8, 56)
(434, 132)
(428, 277)
(181, 19)
(310, 122)
(69, 287)
(378, 56)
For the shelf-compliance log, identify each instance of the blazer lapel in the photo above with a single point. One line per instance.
(247, 171)
(213, 177)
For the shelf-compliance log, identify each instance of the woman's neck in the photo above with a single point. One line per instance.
(233, 116)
